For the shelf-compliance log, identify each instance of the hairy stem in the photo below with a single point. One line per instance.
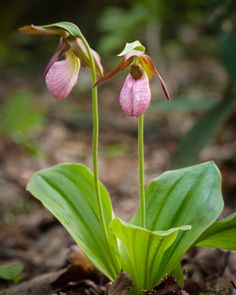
(141, 171)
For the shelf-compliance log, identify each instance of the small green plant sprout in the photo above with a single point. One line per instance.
(178, 209)
(12, 272)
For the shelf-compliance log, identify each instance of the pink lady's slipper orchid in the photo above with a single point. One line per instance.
(61, 76)
(135, 95)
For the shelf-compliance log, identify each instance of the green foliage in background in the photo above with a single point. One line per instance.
(227, 52)
(183, 104)
(20, 118)
(118, 24)
(11, 272)
(202, 133)
(206, 127)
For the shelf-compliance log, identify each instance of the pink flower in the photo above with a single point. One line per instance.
(61, 76)
(135, 94)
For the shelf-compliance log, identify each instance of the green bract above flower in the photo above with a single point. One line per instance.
(61, 76)
(64, 29)
(136, 45)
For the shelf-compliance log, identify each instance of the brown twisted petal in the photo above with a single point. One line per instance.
(149, 62)
(123, 64)
(38, 30)
(163, 85)
(62, 48)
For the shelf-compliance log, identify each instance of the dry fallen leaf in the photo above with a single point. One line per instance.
(120, 286)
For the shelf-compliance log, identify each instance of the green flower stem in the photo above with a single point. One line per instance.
(115, 265)
(141, 171)
(95, 136)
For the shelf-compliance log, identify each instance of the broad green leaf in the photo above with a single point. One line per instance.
(141, 252)
(136, 45)
(202, 132)
(186, 196)
(227, 49)
(69, 27)
(11, 272)
(67, 190)
(221, 234)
